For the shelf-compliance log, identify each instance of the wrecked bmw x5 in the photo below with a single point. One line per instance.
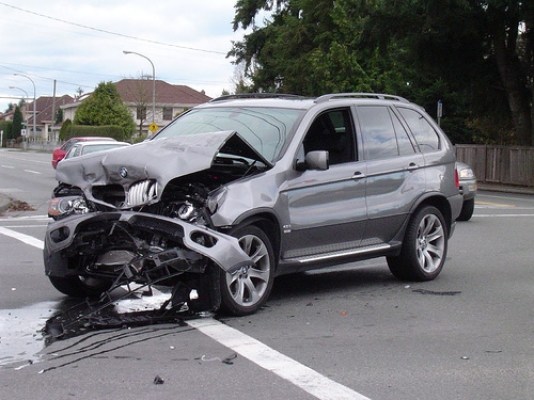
(244, 188)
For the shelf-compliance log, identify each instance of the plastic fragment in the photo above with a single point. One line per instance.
(158, 380)
(228, 360)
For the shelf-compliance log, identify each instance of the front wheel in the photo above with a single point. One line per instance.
(424, 249)
(246, 290)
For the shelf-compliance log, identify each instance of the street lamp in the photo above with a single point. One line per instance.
(34, 104)
(22, 90)
(153, 81)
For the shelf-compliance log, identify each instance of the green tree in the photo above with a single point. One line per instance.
(476, 56)
(105, 107)
(481, 49)
(59, 116)
(17, 123)
(308, 47)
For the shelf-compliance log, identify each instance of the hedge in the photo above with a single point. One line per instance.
(113, 131)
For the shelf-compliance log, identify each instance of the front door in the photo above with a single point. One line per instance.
(326, 209)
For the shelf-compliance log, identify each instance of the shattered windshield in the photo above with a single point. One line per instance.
(265, 129)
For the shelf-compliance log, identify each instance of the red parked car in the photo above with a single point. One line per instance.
(59, 153)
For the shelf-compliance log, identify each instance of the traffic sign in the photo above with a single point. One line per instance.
(153, 127)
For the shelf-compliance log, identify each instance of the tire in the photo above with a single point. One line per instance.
(467, 210)
(77, 286)
(245, 291)
(424, 249)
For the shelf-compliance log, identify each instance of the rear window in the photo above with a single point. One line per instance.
(425, 135)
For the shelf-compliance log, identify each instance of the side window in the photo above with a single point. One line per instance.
(378, 134)
(403, 139)
(332, 131)
(424, 133)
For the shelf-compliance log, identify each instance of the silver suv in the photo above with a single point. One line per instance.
(244, 188)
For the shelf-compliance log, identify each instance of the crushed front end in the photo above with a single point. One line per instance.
(131, 218)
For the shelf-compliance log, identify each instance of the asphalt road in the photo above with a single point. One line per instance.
(353, 332)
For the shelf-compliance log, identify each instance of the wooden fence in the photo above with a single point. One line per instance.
(499, 164)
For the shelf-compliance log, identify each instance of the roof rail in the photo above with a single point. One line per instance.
(258, 96)
(328, 97)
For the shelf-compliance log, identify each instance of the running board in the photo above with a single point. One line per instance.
(342, 253)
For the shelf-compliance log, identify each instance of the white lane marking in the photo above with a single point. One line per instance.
(32, 172)
(502, 215)
(4, 155)
(304, 377)
(10, 190)
(26, 218)
(22, 237)
(8, 166)
(26, 226)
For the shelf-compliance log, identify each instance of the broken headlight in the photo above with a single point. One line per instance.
(61, 206)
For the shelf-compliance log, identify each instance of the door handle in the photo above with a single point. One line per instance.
(358, 175)
(412, 166)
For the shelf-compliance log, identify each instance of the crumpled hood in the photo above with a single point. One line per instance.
(159, 159)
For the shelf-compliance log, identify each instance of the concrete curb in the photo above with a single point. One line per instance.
(505, 189)
(5, 202)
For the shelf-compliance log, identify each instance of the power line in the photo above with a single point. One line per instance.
(109, 32)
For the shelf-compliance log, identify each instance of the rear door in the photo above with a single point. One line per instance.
(395, 175)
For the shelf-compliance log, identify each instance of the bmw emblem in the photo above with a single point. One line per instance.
(123, 172)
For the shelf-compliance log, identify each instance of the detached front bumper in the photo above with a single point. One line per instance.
(63, 236)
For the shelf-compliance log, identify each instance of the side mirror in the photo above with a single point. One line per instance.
(317, 159)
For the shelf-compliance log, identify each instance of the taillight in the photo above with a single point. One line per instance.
(456, 178)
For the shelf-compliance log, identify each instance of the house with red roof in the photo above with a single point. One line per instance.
(46, 109)
(137, 94)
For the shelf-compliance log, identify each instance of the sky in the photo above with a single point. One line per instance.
(78, 44)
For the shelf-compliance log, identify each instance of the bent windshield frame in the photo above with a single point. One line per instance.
(267, 130)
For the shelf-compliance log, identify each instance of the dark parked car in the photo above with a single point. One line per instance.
(468, 190)
(59, 153)
(244, 188)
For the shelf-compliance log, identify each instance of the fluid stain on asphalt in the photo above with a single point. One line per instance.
(25, 332)
(21, 335)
